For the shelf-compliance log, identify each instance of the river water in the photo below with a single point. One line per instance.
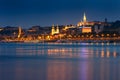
(65, 61)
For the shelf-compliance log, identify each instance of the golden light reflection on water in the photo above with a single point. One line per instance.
(68, 52)
(114, 54)
(105, 68)
(99, 50)
(106, 53)
(102, 53)
(108, 43)
(59, 71)
(59, 51)
(102, 43)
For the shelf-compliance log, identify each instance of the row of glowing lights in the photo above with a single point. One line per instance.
(69, 52)
(48, 37)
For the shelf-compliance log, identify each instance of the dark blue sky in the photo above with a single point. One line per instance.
(27, 13)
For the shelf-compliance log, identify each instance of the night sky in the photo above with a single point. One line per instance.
(27, 13)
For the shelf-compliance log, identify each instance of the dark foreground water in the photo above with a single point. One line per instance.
(21, 61)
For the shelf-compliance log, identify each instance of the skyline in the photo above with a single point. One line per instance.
(27, 13)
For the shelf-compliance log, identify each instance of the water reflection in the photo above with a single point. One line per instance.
(59, 70)
(53, 51)
(106, 53)
(71, 52)
(89, 62)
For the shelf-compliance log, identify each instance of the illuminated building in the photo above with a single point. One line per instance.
(34, 29)
(86, 30)
(68, 27)
(84, 22)
(55, 31)
(85, 26)
(1, 29)
(98, 28)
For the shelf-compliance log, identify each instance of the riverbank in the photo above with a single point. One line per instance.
(66, 40)
(61, 41)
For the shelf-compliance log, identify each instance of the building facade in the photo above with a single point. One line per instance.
(84, 25)
(54, 30)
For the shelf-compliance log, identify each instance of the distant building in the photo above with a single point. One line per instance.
(98, 28)
(54, 30)
(85, 26)
(84, 22)
(34, 29)
(69, 26)
(112, 27)
(86, 30)
(9, 30)
(1, 29)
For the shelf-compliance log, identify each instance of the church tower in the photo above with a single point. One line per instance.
(57, 30)
(53, 30)
(19, 32)
(83, 21)
(84, 18)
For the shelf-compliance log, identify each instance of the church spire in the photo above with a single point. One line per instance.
(84, 18)
(57, 29)
(19, 32)
(53, 29)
